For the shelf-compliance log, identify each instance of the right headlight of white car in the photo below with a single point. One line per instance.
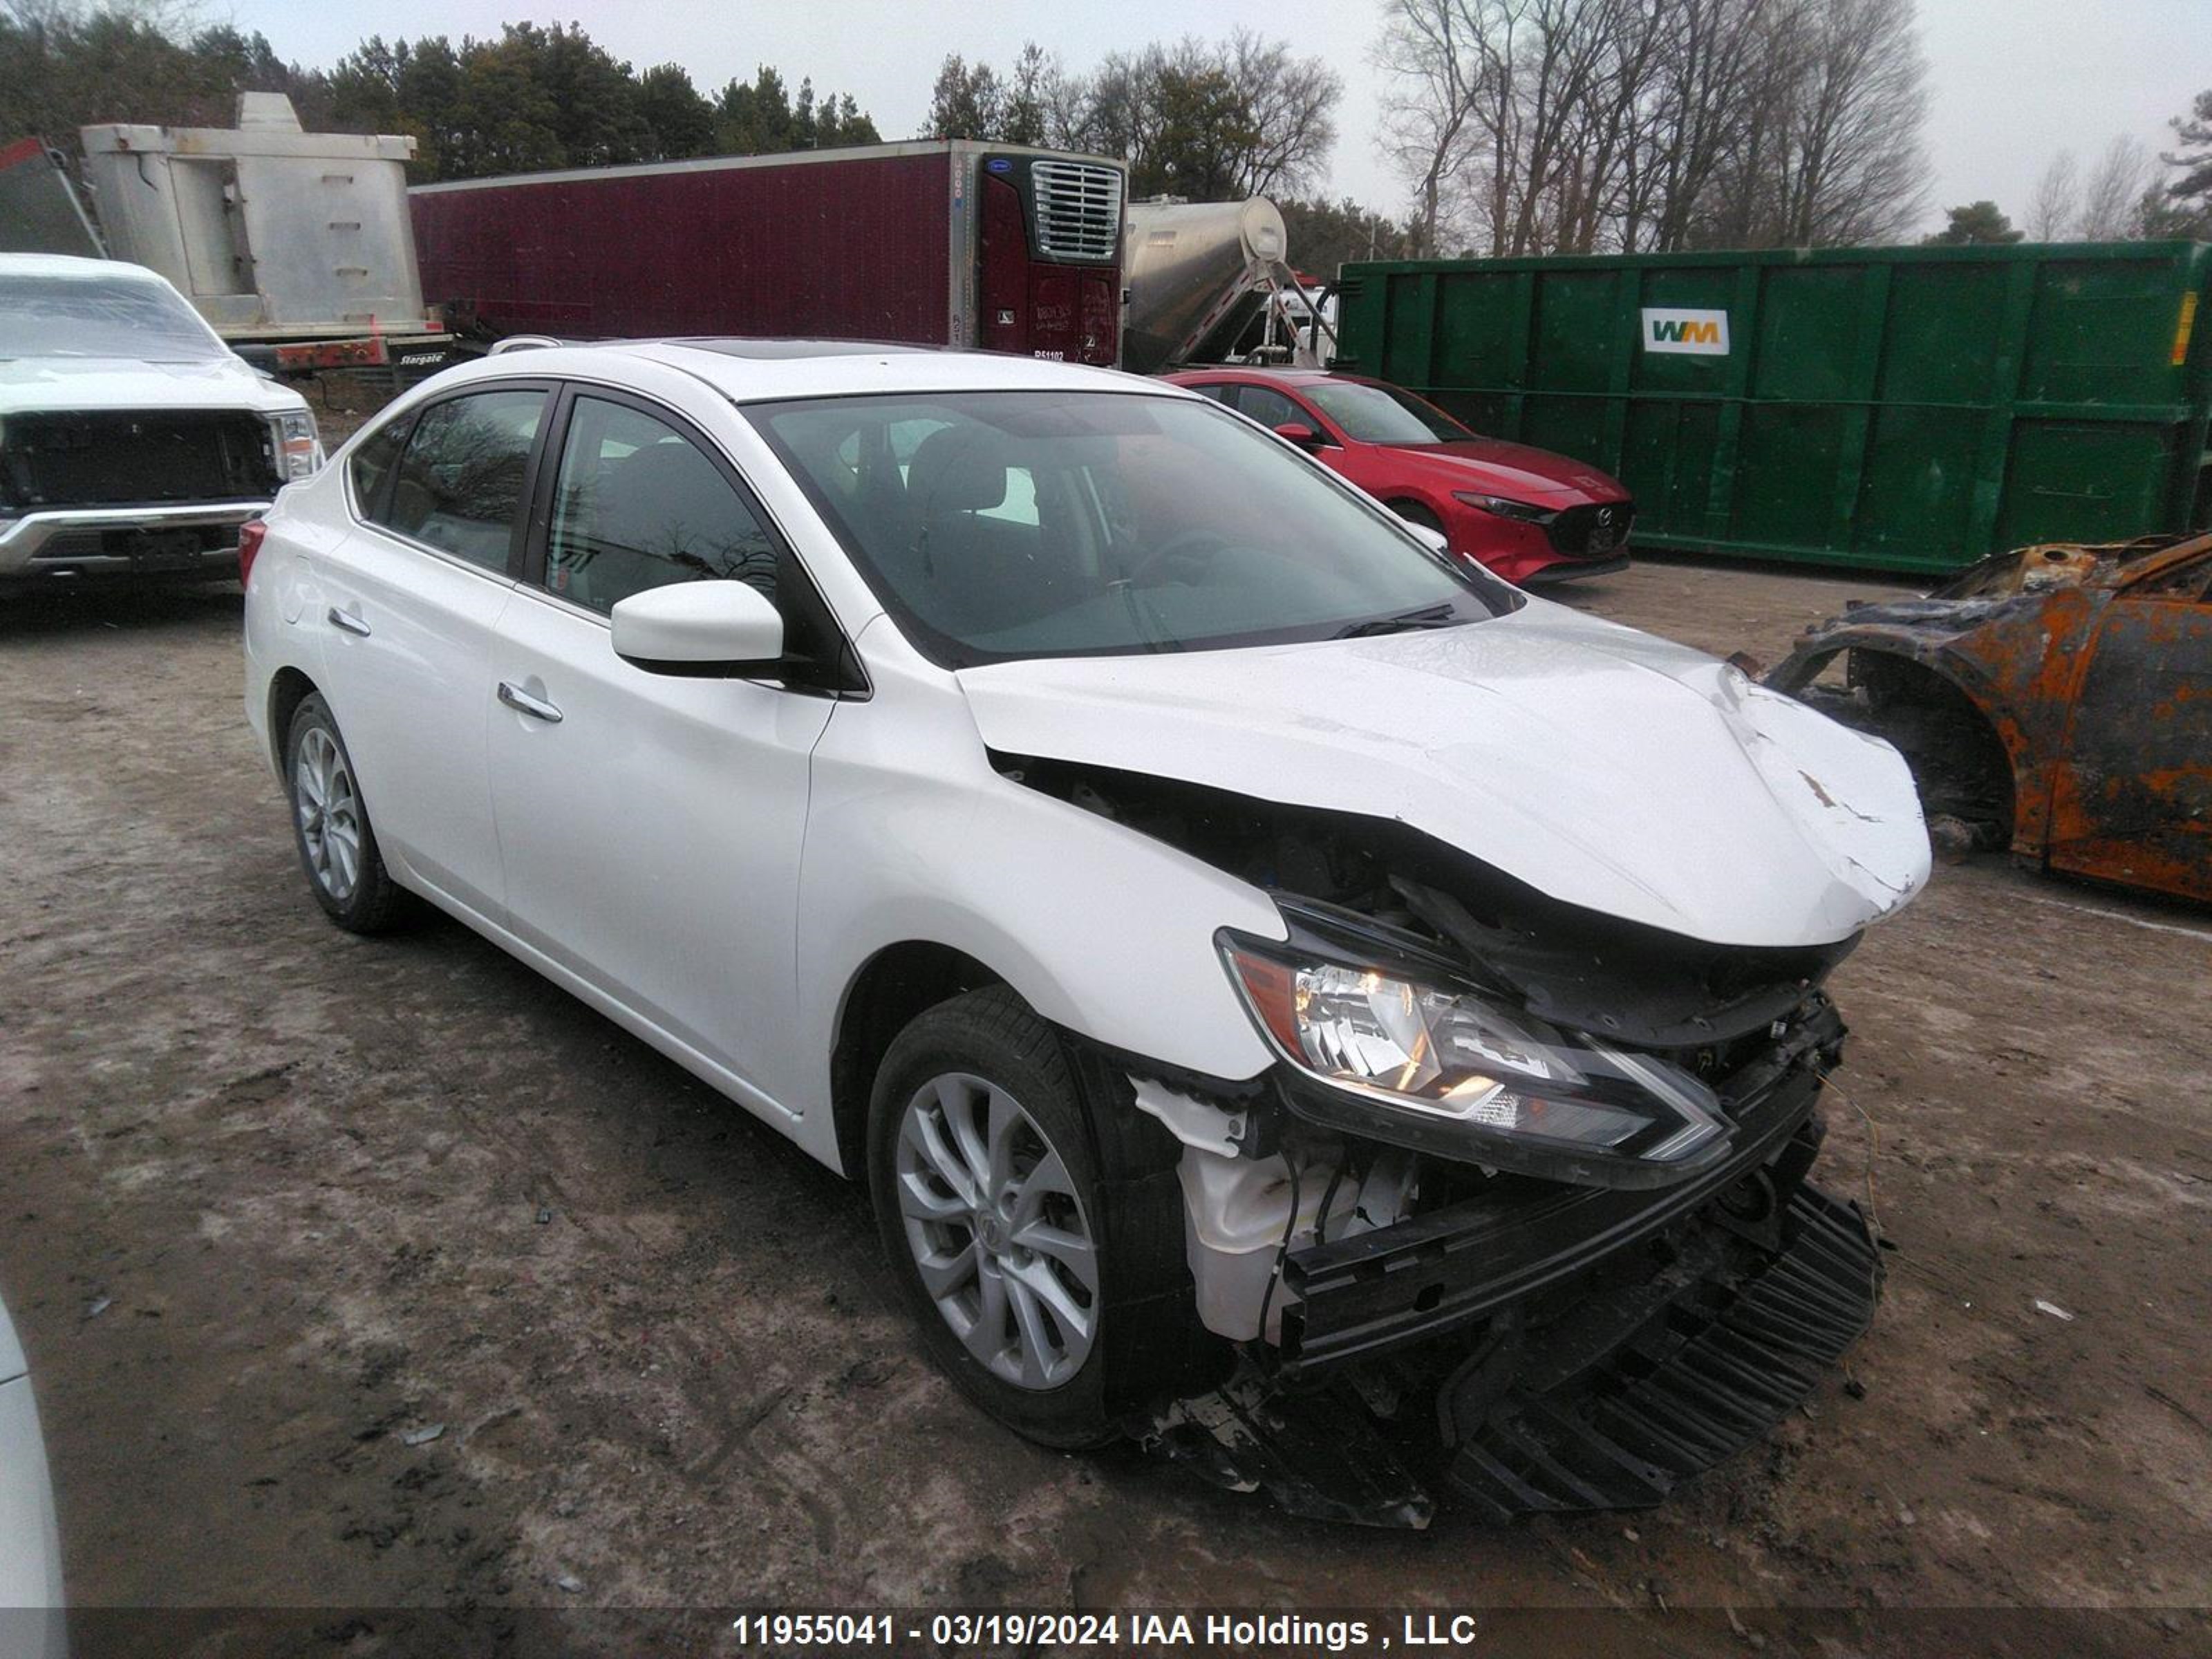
(1448, 1068)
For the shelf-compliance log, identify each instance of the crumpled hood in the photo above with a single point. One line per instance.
(63, 383)
(1603, 767)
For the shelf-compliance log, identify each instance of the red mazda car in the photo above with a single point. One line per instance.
(1526, 514)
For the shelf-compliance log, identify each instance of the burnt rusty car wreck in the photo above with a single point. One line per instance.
(2056, 700)
(1532, 1330)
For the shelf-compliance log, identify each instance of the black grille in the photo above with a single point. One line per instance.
(1591, 533)
(136, 459)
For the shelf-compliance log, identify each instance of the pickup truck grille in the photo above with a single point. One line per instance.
(136, 458)
(1079, 211)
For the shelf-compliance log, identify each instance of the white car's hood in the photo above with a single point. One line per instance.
(63, 383)
(1603, 767)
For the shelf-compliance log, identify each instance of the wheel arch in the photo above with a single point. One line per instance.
(1402, 498)
(289, 687)
(889, 991)
(1958, 681)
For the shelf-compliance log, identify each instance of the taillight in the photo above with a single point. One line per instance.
(250, 536)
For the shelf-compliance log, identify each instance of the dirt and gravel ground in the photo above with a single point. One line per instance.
(277, 1203)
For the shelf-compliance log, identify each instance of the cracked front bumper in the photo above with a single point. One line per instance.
(1540, 1346)
(1446, 1268)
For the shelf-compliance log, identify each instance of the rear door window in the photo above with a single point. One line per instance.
(459, 488)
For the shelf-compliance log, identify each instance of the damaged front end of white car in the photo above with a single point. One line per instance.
(1521, 1209)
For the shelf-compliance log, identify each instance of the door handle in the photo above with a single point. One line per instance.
(348, 621)
(522, 704)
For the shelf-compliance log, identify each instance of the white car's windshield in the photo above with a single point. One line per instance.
(91, 317)
(1003, 525)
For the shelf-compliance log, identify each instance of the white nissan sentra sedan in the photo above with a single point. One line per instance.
(1293, 998)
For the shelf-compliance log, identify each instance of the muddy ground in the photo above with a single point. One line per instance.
(274, 1202)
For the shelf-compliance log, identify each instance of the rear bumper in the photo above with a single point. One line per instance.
(195, 538)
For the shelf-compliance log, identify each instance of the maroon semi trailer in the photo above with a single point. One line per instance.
(947, 242)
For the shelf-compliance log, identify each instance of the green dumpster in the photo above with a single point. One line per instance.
(1908, 408)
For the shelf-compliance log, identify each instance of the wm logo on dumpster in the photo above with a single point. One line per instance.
(1700, 333)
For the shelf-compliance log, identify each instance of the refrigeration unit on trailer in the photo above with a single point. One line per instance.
(944, 242)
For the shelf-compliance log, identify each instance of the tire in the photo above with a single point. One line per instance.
(330, 825)
(1063, 1369)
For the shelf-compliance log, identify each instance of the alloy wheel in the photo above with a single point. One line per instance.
(997, 1231)
(329, 810)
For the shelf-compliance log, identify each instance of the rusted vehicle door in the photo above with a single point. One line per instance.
(2132, 799)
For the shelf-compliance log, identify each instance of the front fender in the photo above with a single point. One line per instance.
(913, 836)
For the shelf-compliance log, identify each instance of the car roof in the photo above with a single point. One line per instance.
(764, 370)
(1257, 376)
(70, 264)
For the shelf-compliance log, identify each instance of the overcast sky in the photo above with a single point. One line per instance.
(2012, 80)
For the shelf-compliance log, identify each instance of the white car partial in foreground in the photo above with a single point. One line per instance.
(30, 1618)
(1278, 983)
(133, 441)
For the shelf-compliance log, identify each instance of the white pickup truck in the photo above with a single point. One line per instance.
(133, 441)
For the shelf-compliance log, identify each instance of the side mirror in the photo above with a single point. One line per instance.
(705, 630)
(263, 359)
(1302, 435)
(1434, 539)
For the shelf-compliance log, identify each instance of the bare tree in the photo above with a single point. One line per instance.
(1242, 116)
(2056, 202)
(1430, 68)
(1855, 171)
(1542, 125)
(1709, 52)
(1289, 105)
(2112, 197)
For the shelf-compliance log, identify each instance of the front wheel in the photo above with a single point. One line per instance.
(331, 827)
(1026, 1240)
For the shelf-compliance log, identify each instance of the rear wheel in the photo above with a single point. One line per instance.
(331, 827)
(1027, 1243)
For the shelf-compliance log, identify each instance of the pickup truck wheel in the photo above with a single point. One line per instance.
(1004, 1213)
(331, 826)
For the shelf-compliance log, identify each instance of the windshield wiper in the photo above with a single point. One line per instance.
(1158, 636)
(1445, 615)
